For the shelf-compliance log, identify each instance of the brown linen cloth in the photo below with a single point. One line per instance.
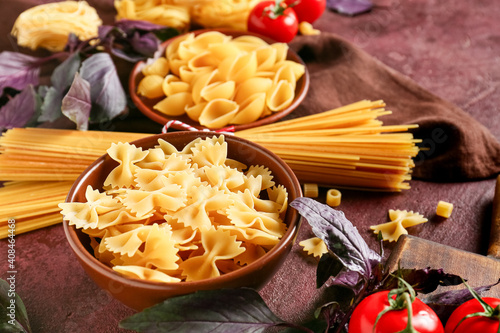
(458, 147)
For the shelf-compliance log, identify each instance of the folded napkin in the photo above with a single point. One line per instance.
(458, 147)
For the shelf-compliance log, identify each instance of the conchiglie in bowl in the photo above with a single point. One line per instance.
(218, 64)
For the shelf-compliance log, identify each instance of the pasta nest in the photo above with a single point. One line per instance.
(49, 25)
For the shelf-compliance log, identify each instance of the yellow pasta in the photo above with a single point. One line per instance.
(151, 86)
(280, 96)
(400, 220)
(157, 66)
(154, 11)
(218, 113)
(213, 66)
(311, 190)
(306, 28)
(175, 104)
(333, 197)
(171, 216)
(444, 209)
(314, 246)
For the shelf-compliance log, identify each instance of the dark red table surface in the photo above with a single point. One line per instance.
(451, 48)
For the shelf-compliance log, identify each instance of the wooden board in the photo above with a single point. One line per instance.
(478, 270)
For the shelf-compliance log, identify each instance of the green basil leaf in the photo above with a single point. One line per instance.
(216, 311)
(12, 310)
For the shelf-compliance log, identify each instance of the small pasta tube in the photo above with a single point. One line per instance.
(333, 197)
(311, 190)
(444, 209)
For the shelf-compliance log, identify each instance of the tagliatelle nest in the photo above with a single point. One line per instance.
(49, 25)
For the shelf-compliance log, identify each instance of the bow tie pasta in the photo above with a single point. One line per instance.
(171, 216)
(218, 80)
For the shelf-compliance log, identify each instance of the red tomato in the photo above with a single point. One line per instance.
(474, 324)
(280, 24)
(308, 10)
(363, 318)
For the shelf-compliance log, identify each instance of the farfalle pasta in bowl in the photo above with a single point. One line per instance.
(218, 78)
(179, 212)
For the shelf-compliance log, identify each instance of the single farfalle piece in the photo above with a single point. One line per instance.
(252, 253)
(243, 216)
(218, 245)
(127, 155)
(279, 195)
(222, 177)
(148, 246)
(259, 170)
(155, 179)
(93, 213)
(204, 202)
(208, 152)
(400, 220)
(314, 246)
(168, 198)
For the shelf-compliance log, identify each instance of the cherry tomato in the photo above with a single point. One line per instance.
(278, 22)
(308, 10)
(473, 324)
(363, 318)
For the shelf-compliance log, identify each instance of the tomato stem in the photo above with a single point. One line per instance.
(489, 311)
(276, 10)
(409, 325)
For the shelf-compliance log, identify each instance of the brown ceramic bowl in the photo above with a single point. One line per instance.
(139, 294)
(145, 105)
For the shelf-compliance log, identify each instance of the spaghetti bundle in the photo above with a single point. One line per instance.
(31, 205)
(345, 147)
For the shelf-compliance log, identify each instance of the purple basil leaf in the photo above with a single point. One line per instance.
(73, 43)
(339, 235)
(51, 106)
(61, 80)
(127, 54)
(19, 110)
(422, 280)
(76, 105)
(106, 91)
(146, 44)
(107, 31)
(347, 279)
(350, 7)
(64, 73)
(446, 302)
(132, 25)
(223, 310)
(18, 70)
(456, 297)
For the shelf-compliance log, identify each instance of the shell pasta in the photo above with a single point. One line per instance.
(219, 80)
